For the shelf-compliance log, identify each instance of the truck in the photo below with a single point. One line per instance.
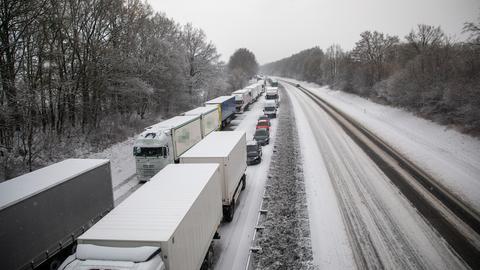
(43, 212)
(227, 108)
(169, 223)
(256, 90)
(209, 118)
(243, 98)
(272, 94)
(229, 149)
(163, 143)
(270, 108)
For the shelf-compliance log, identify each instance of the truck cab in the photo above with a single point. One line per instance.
(270, 108)
(152, 151)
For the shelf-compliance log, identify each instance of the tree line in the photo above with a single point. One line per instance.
(82, 70)
(426, 72)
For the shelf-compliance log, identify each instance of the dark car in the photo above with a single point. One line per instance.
(254, 152)
(297, 85)
(262, 136)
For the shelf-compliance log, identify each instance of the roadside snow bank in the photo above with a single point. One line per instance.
(449, 156)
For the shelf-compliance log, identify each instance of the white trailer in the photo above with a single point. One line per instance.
(168, 223)
(255, 90)
(163, 143)
(229, 149)
(242, 99)
(209, 118)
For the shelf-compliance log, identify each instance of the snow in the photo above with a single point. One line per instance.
(358, 218)
(450, 157)
(35, 182)
(201, 110)
(173, 122)
(132, 254)
(219, 100)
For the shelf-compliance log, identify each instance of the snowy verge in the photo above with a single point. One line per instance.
(449, 156)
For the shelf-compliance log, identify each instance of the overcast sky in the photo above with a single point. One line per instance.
(274, 29)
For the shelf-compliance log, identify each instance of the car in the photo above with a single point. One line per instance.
(263, 124)
(262, 135)
(254, 152)
(264, 117)
(297, 85)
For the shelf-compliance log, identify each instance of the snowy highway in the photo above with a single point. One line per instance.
(358, 218)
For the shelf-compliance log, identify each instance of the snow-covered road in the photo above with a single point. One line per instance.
(358, 218)
(231, 251)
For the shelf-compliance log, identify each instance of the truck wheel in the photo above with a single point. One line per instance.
(230, 211)
(55, 264)
(244, 182)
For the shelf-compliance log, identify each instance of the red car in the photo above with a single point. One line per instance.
(263, 124)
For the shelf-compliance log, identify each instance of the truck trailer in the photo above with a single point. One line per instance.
(43, 212)
(209, 118)
(229, 149)
(167, 224)
(243, 98)
(227, 108)
(163, 143)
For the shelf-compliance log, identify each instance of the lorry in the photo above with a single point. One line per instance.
(255, 90)
(169, 223)
(43, 212)
(229, 149)
(209, 118)
(163, 143)
(272, 94)
(242, 99)
(227, 108)
(270, 108)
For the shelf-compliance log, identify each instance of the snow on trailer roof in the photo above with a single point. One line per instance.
(173, 122)
(153, 212)
(201, 110)
(241, 91)
(30, 184)
(216, 144)
(219, 99)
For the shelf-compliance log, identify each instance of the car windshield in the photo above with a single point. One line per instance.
(261, 133)
(269, 109)
(252, 148)
(149, 151)
(271, 96)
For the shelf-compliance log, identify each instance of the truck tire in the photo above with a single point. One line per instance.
(244, 182)
(230, 211)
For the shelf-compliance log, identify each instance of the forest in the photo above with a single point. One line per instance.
(79, 75)
(427, 73)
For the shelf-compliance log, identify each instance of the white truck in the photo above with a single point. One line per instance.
(163, 143)
(229, 149)
(167, 224)
(242, 99)
(209, 118)
(43, 212)
(255, 90)
(272, 94)
(270, 108)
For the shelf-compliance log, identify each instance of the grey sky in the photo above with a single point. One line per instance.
(274, 29)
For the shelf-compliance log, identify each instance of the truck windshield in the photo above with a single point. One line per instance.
(271, 96)
(239, 102)
(269, 109)
(149, 151)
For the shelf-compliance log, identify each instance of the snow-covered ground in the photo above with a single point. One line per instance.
(449, 156)
(358, 218)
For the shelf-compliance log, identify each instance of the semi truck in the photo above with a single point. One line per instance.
(242, 99)
(229, 149)
(167, 224)
(43, 212)
(272, 94)
(255, 90)
(270, 108)
(209, 118)
(163, 143)
(227, 108)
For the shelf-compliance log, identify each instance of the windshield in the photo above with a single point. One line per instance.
(269, 109)
(261, 133)
(149, 151)
(271, 96)
(239, 102)
(252, 148)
